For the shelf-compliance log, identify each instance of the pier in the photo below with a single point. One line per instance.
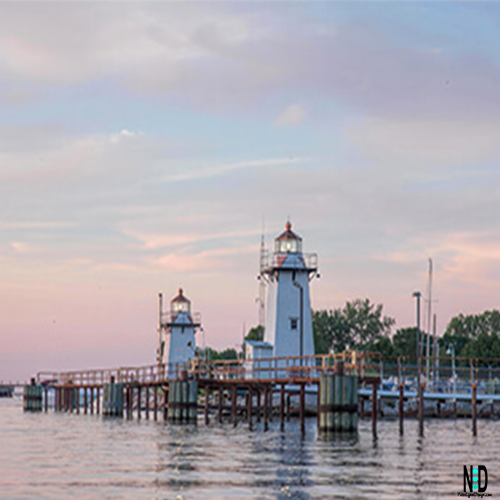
(258, 390)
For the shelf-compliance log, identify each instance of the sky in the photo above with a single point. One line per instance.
(145, 146)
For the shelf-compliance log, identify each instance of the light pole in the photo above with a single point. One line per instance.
(417, 295)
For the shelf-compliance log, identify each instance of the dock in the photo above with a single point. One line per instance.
(258, 390)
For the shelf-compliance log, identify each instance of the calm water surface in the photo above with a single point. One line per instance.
(61, 456)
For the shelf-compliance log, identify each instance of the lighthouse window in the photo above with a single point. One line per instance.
(293, 323)
(288, 246)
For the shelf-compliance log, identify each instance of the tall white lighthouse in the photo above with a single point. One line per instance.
(288, 272)
(180, 325)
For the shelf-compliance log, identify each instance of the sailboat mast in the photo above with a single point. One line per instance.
(429, 319)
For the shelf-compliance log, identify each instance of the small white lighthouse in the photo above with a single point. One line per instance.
(287, 272)
(181, 325)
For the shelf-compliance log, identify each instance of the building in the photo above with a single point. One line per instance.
(287, 272)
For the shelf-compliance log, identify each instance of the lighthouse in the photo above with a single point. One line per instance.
(287, 272)
(180, 325)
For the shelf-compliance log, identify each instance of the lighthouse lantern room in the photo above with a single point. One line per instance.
(287, 273)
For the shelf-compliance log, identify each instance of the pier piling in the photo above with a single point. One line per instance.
(155, 403)
(302, 404)
(207, 402)
(282, 407)
(421, 387)
(32, 397)
(474, 408)
(338, 403)
(249, 407)
(401, 409)
(112, 400)
(233, 405)
(266, 399)
(374, 409)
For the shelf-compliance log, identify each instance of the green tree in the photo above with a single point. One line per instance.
(404, 342)
(474, 335)
(358, 325)
(255, 333)
(213, 355)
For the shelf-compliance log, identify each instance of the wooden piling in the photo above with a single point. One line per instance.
(282, 407)
(249, 407)
(288, 406)
(166, 391)
(374, 408)
(155, 402)
(270, 403)
(474, 408)
(233, 405)
(139, 402)
(259, 406)
(92, 400)
(129, 402)
(77, 400)
(219, 405)
(46, 398)
(147, 402)
(302, 404)
(421, 387)
(401, 408)
(266, 399)
(85, 400)
(207, 401)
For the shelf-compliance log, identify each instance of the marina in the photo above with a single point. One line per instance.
(279, 374)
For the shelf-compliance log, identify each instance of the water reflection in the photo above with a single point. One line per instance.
(46, 456)
(294, 460)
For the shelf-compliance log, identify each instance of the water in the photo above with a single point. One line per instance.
(61, 456)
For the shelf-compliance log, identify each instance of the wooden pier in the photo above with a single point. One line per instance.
(250, 391)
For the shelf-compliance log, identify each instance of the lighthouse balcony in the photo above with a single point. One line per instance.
(283, 260)
(181, 318)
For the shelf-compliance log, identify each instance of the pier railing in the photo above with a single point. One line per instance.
(289, 367)
(441, 375)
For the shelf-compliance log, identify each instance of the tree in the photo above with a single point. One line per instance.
(213, 355)
(255, 333)
(358, 325)
(474, 335)
(404, 342)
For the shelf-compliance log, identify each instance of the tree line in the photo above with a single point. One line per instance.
(361, 325)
